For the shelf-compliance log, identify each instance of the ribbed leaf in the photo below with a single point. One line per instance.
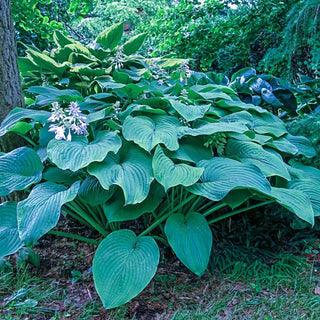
(268, 123)
(18, 114)
(40, 212)
(307, 172)
(131, 90)
(19, 169)
(189, 112)
(61, 40)
(242, 116)
(250, 152)
(49, 94)
(238, 105)
(92, 192)
(190, 238)
(295, 201)
(147, 132)
(169, 174)
(303, 144)
(258, 138)
(79, 153)
(206, 129)
(115, 209)
(221, 175)
(130, 169)
(311, 188)
(123, 266)
(44, 62)
(54, 174)
(10, 241)
(236, 198)
(283, 145)
(191, 149)
(110, 37)
(134, 44)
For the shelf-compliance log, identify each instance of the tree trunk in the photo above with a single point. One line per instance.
(10, 86)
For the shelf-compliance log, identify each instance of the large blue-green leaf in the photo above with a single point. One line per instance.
(123, 266)
(306, 172)
(216, 94)
(190, 238)
(283, 145)
(258, 138)
(236, 198)
(206, 129)
(238, 105)
(250, 152)
(311, 188)
(92, 192)
(10, 241)
(241, 116)
(19, 169)
(131, 90)
(268, 123)
(110, 37)
(191, 149)
(54, 174)
(40, 212)
(49, 94)
(147, 132)
(221, 175)
(79, 153)
(130, 169)
(170, 174)
(295, 201)
(18, 114)
(303, 144)
(115, 209)
(189, 112)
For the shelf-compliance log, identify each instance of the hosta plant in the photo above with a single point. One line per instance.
(281, 97)
(142, 140)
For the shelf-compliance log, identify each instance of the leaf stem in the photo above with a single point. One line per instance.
(230, 214)
(73, 236)
(214, 209)
(165, 242)
(27, 139)
(156, 218)
(75, 216)
(87, 218)
(160, 220)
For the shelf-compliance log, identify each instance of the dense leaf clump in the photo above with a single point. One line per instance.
(114, 137)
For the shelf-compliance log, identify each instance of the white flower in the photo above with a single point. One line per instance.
(67, 119)
(79, 129)
(69, 136)
(59, 131)
(184, 66)
(57, 112)
(119, 59)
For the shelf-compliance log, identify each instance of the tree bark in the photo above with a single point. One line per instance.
(10, 87)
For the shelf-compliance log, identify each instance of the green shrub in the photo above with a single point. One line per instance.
(113, 137)
(299, 50)
(217, 37)
(308, 126)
